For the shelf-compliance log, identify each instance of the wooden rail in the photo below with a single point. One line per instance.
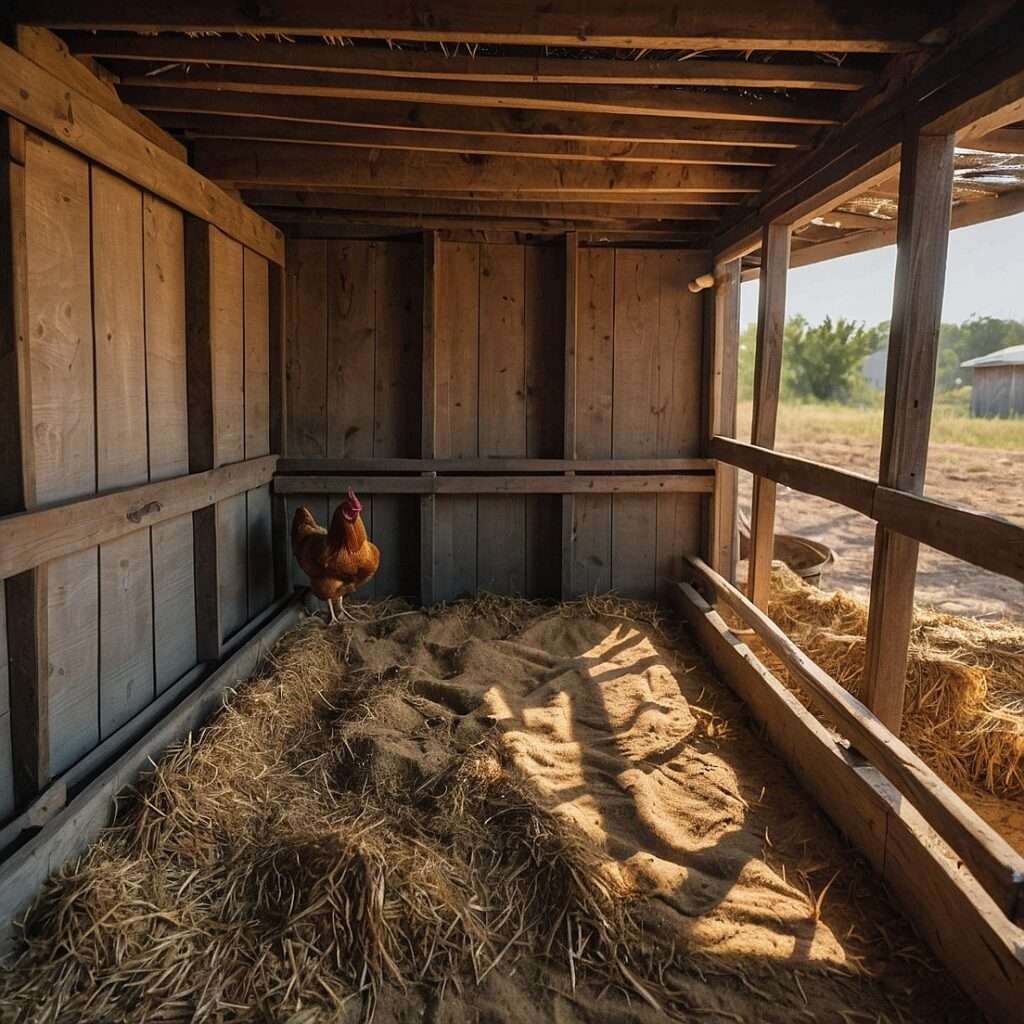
(968, 932)
(995, 864)
(508, 466)
(980, 538)
(608, 484)
(34, 538)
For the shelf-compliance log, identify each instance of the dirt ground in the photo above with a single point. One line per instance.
(988, 479)
(750, 906)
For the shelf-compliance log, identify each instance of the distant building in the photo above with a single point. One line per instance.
(998, 388)
(873, 368)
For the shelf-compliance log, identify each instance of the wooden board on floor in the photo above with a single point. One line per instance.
(501, 540)
(306, 347)
(226, 326)
(455, 543)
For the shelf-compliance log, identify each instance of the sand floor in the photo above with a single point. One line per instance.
(753, 908)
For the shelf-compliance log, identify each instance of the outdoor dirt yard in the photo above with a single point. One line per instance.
(989, 479)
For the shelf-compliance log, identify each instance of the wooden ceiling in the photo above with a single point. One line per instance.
(618, 120)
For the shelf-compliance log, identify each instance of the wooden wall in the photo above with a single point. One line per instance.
(998, 391)
(354, 390)
(354, 355)
(106, 314)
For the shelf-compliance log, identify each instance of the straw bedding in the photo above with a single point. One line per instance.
(494, 812)
(965, 681)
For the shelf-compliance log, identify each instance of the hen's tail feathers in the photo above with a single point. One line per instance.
(302, 523)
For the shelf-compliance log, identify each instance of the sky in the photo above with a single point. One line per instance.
(984, 277)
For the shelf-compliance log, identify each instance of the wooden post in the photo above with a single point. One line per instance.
(278, 419)
(569, 430)
(25, 594)
(926, 188)
(202, 431)
(428, 440)
(771, 321)
(723, 381)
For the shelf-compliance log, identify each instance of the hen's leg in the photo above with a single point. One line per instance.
(330, 605)
(345, 614)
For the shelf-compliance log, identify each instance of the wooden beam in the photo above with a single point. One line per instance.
(505, 466)
(611, 484)
(265, 129)
(926, 186)
(851, 490)
(426, 117)
(723, 380)
(69, 833)
(34, 96)
(625, 100)
(25, 591)
(37, 536)
(277, 306)
(279, 165)
(429, 205)
(989, 857)
(749, 74)
(51, 52)
(958, 919)
(432, 255)
(800, 25)
(771, 322)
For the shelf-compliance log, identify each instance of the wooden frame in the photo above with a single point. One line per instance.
(958, 918)
(431, 484)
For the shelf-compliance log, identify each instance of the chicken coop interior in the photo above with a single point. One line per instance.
(372, 634)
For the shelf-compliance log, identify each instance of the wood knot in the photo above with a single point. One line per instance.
(138, 514)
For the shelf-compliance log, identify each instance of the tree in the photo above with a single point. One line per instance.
(822, 363)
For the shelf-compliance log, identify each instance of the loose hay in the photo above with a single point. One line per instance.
(339, 842)
(964, 711)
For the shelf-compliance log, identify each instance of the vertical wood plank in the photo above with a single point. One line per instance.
(771, 322)
(24, 723)
(60, 337)
(306, 348)
(202, 429)
(397, 412)
(7, 798)
(122, 449)
(351, 329)
(232, 564)
(457, 361)
(678, 404)
(174, 611)
(428, 431)
(226, 334)
(571, 316)
(501, 544)
(926, 186)
(724, 335)
(278, 416)
(256, 285)
(544, 315)
(260, 553)
(592, 520)
(635, 421)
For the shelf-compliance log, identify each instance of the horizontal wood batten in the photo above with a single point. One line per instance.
(34, 538)
(849, 489)
(984, 540)
(414, 64)
(692, 484)
(957, 918)
(34, 96)
(362, 467)
(980, 538)
(992, 861)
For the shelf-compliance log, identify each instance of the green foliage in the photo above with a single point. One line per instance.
(822, 363)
